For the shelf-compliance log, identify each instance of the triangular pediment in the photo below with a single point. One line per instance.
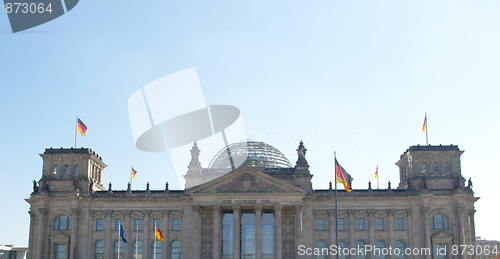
(246, 180)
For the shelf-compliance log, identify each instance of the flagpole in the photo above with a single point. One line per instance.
(76, 130)
(377, 178)
(119, 229)
(131, 178)
(426, 130)
(154, 246)
(336, 205)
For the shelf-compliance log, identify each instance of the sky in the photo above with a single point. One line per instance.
(355, 77)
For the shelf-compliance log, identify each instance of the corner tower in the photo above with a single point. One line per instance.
(68, 170)
(431, 167)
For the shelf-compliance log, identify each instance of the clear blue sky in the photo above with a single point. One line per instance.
(367, 70)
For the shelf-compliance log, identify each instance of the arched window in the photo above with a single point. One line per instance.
(175, 250)
(435, 167)
(380, 252)
(156, 249)
(56, 170)
(137, 250)
(322, 250)
(66, 169)
(118, 250)
(424, 167)
(62, 222)
(400, 250)
(99, 250)
(446, 167)
(360, 247)
(343, 254)
(439, 222)
(77, 169)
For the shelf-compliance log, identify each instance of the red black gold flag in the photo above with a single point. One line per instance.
(342, 176)
(159, 235)
(134, 173)
(425, 123)
(81, 128)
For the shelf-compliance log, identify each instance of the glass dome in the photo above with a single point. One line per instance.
(249, 153)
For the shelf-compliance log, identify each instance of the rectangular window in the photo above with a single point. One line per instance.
(99, 224)
(341, 224)
(137, 224)
(400, 223)
(361, 224)
(156, 222)
(267, 226)
(321, 223)
(118, 223)
(176, 224)
(227, 235)
(380, 223)
(60, 252)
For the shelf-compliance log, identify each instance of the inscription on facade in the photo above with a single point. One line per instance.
(247, 201)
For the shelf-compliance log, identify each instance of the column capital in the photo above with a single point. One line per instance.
(278, 207)
(425, 211)
(236, 208)
(258, 209)
(216, 208)
(43, 211)
(298, 208)
(197, 208)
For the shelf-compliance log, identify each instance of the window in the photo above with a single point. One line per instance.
(99, 250)
(118, 250)
(176, 224)
(321, 223)
(424, 167)
(227, 235)
(400, 250)
(343, 254)
(380, 223)
(56, 170)
(446, 167)
(157, 223)
(62, 222)
(137, 224)
(440, 222)
(360, 250)
(137, 250)
(435, 167)
(341, 224)
(440, 251)
(322, 250)
(267, 226)
(361, 224)
(175, 250)
(379, 253)
(99, 224)
(156, 249)
(118, 223)
(247, 235)
(60, 252)
(77, 169)
(66, 169)
(400, 224)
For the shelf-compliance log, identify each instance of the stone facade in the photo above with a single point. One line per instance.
(74, 216)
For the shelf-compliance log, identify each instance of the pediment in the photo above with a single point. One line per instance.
(441, 236)
(360, 214)
(137, 214)
(246, 180)
(59, 238)
(401, 213)
(156, 214)
(99, 214)
(381, 214)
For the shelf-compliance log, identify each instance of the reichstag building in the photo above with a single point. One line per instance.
(266, 208)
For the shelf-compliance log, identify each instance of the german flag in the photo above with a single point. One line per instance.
(425, 123)
(342, 176)
(134, 172)
(80, 127)
(159, 235)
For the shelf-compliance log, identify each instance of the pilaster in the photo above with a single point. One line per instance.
(216, 231)
(258, 232)
(236, 231)
(279, 241)
(74, 232)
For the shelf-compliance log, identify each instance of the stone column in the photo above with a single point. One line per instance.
(427, 231)
(197, 231)
(217, 223)
(390, 226)
(277, 225)
(258, 232)
(109, 227)
(350, 229)
(32, 234)
(148, 232)
(472, 227)
(129, 234)
(298, 225)
(74, 232)
(372, 225)
(165, 246)
(236, 231)
(332, 227)
(41, 237)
